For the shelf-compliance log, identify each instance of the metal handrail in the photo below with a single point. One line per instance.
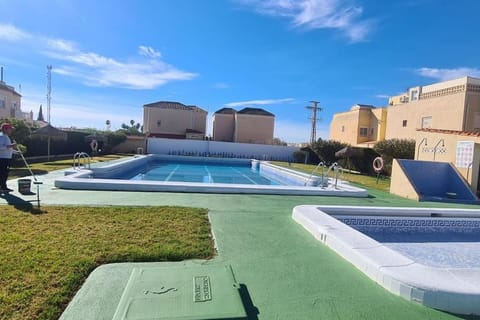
(313, 171)
(77, 160)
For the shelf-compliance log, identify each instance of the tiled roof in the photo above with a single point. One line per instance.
(256, 111)
(456, 132)
(226, 111)
(4, 86)
(171, 105)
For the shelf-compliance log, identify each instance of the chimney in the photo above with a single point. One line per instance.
(1, 75)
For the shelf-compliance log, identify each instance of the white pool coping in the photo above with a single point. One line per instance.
(79, 180)
(455, 290)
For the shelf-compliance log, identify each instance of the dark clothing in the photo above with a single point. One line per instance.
(4, 169)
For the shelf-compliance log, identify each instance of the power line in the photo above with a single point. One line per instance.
(315, 108)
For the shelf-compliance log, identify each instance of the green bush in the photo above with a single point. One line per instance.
(395, 149)
(362, 163)
(299, 156)
(325, 150)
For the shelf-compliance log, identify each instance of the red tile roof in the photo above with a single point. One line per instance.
(456, 132)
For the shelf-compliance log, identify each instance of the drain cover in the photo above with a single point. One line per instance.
(187, 293)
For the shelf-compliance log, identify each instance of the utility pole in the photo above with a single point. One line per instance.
(49, 90)
(315, 108)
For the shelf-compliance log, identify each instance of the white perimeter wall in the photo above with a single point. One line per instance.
(218, 148)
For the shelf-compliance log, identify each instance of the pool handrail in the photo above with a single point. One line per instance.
(77, 160)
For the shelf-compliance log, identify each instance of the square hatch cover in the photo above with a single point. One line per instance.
(186, 292)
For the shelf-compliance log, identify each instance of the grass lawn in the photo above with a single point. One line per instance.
(383, 183)
(20, 170)
(46, 256)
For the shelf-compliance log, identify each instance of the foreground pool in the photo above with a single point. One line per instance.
(430, 256)
(203, 175)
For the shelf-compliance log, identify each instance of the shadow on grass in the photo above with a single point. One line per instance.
(21, 204)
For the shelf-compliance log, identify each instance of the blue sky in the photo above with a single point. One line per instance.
(109, 58)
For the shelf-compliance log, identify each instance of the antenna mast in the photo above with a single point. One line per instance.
(49, 90)
(314, 108)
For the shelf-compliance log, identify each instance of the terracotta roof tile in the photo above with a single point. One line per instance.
(455, 132)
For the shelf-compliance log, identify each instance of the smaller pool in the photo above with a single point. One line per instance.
(200, 174)
(441, 242)
(428, 255)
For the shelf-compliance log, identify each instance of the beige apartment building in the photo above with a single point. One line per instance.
(249, 125)
(10, 100)
(362, 126)
(174, 120)
(448, 105)
(223, 124)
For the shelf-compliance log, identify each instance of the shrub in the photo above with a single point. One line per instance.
(395, 149)
(299, 156)
(325, 149)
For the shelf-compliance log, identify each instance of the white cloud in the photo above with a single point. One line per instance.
(11, 33)
(66, 111)
(382, 96)
(448, 74)
(258, 102)
(94, 69)
(317, 14)
(61, 45)
(149, 52)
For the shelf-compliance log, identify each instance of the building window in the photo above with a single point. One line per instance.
(371, 131)
(414, 95)
(343, 128)
(426, 122)
(404, 123)
(2, 102)
(159, 123)
(363, 132)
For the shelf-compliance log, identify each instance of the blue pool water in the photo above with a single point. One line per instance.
(198, 172)
(432, 241)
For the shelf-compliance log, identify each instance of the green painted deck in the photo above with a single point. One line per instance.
(283, 272)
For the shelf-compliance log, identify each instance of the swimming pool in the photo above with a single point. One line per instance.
(199, 171)
(200, 174)
(427, 255)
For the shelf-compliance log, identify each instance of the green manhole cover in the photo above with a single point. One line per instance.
(187, 293)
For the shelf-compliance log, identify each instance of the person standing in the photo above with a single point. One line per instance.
(6, 151)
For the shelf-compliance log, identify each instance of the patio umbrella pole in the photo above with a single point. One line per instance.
(48, 149)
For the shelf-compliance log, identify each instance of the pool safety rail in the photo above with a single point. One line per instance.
(81, 160)
(324, 176)
(102, 178)
(452, 289)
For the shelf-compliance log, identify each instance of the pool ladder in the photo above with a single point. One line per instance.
(324, 176)
(81, 160)
(322, 183)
